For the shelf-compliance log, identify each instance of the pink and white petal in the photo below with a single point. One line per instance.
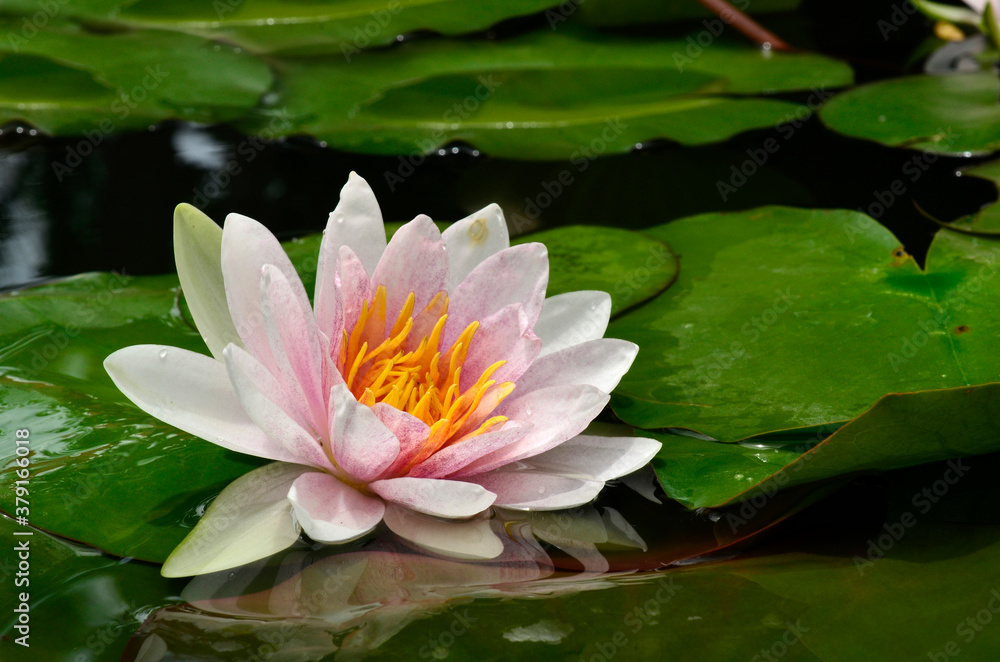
(327, 304)
(595, 457)
(518, 274)
(355, 222)
(572, 318)
(246, 247)
(416, 260)
(353, 287)
(270, 417)
(456, 456)
(291, 402)
(295, 343)
(198, 254)
(362, 445)
(528, 490)
(249, 520)
(330, 511)
(411, 432)
(501, 337)
(600, 363)
(192, 392)
(465, 539)
(558, 413)
(473, 239)
(441, 498)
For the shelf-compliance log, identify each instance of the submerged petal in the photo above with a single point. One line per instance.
(249, 520)
(463, 539)
(330, 511)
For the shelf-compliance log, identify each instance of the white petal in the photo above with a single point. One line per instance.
(246, 247)
(572, 318)
(330, 511)
(442, 498)
(269, 415)
(600, 363)
(192, 392)
(198, 254)
(472, 539)
(597, 458)
(528, 490)
(362, 445)
(249, 520)
(356, 222)
(473, 239)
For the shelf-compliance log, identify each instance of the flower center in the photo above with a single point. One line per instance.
(425, 381)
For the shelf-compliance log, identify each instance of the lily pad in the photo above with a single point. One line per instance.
(786, 318)
(901, 430)
(500, 97)
(956, 114)
(100, 83)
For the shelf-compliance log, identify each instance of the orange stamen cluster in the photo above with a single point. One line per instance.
(425, 381)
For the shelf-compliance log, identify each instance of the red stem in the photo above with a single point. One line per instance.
(749, 27)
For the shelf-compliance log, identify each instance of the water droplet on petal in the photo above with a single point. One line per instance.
(527, 412)
(232, 575)
(541, 490)
(163, 355)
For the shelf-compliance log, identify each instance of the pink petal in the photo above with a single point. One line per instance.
(572, 318)
(330, 511)
(527, 490)
(356, 223)
(503, 336)
(558, 413)
(411, 432)
(354, 288)
(473, 239)
(597, 458)
(295, 343)
(362, 445)
(246, 247)
(514, 275)
(415, 260)
(451, 459)
(441, 498)
(270, 416)
(192, 392)
(600, 363)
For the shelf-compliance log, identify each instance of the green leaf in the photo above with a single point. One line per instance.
(901, 430)
(956, 114)
(786, 318)
(629, 266)
(82, 605)
(122, 79)
(569, 94)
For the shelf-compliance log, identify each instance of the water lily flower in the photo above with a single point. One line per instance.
(430, 375)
